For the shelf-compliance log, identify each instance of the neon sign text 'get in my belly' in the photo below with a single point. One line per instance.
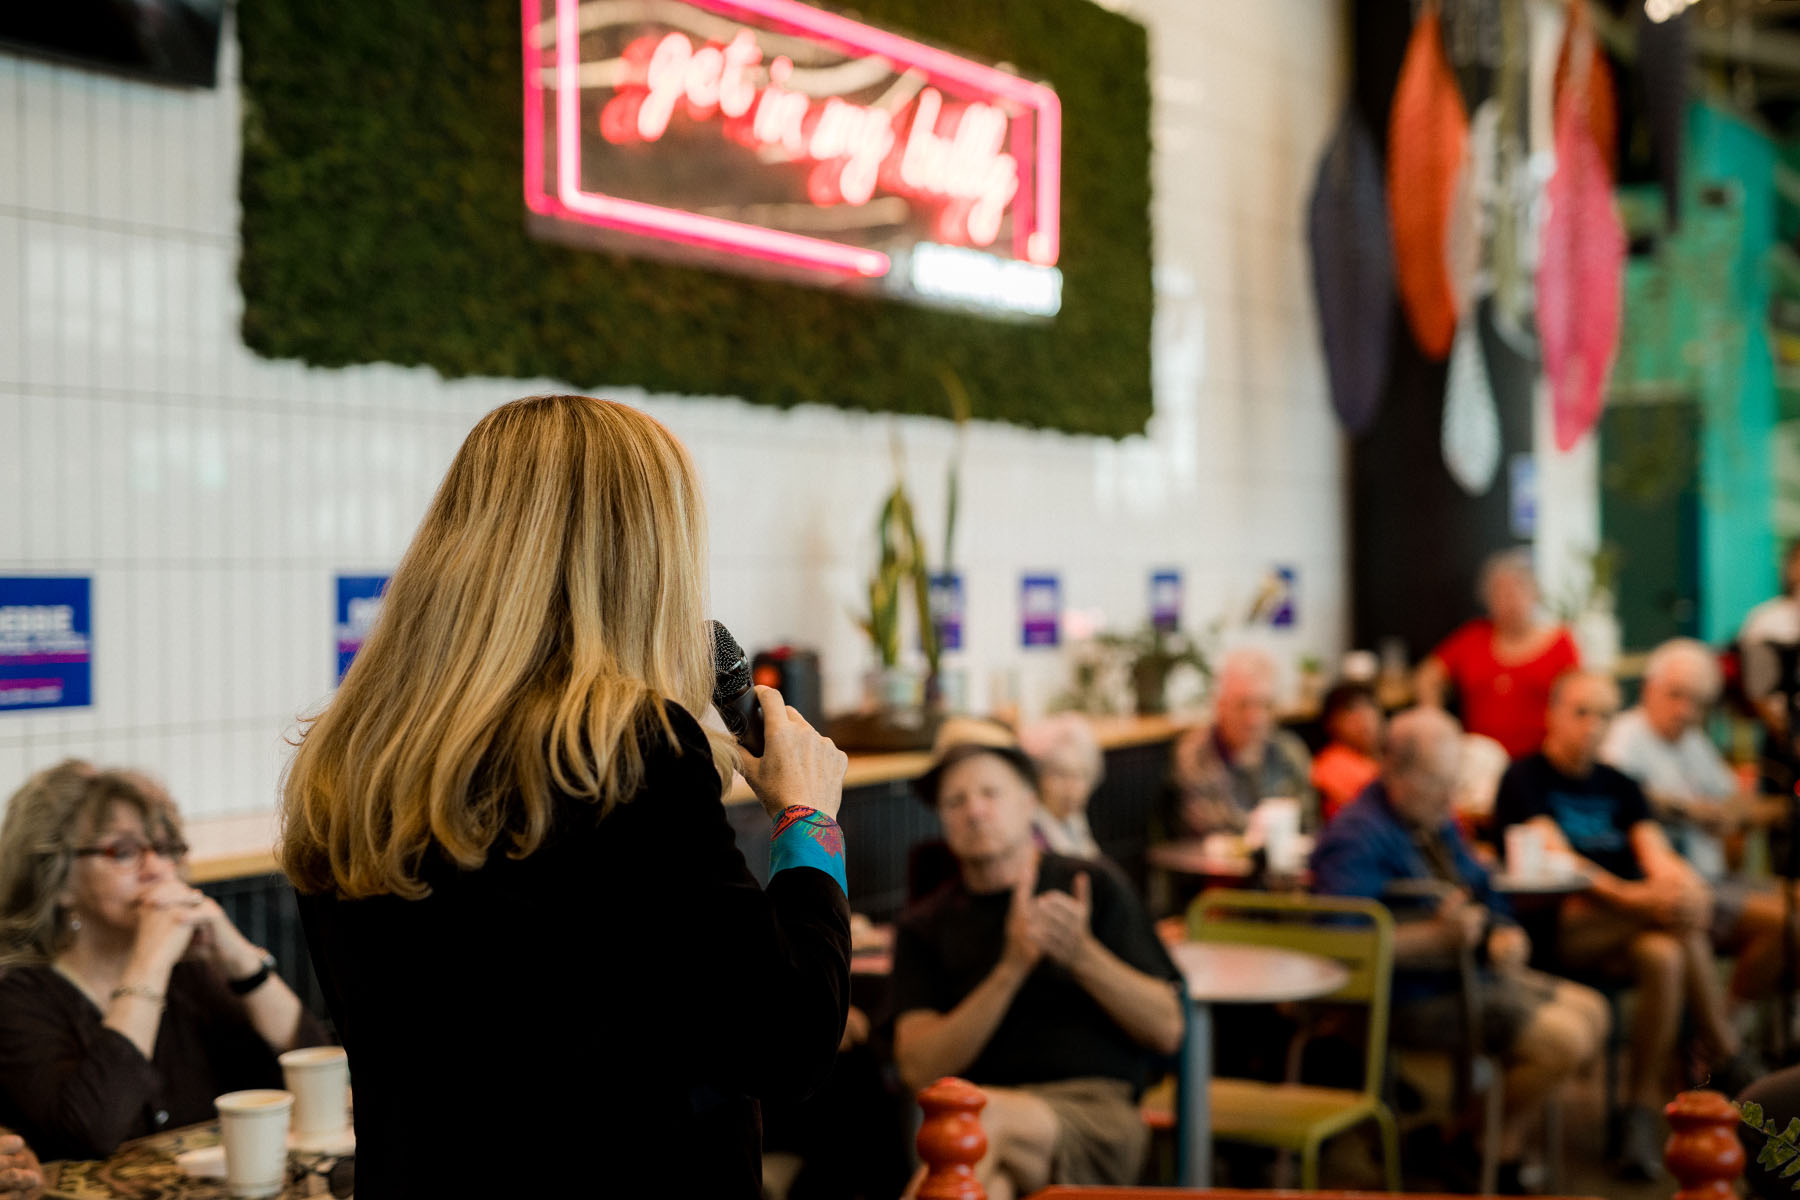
(855, 146)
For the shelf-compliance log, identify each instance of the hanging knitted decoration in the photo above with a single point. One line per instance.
(1601, 98)
(1471, 432)
(1581, 264)
(1353, 271)
(1427, 138)
(1471, 425)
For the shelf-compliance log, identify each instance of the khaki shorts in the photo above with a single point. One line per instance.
(1101, 1138)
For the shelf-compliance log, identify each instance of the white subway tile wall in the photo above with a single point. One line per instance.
(213, 495)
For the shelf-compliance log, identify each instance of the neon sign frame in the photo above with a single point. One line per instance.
(1036, 241)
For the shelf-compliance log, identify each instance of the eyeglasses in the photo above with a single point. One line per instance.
(130, 852)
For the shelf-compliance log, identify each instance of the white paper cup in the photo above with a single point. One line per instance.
(1527, 852)
(1277, 819)
(319, 1077)
(253, 1126)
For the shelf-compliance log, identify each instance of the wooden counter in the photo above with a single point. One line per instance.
(242, 846)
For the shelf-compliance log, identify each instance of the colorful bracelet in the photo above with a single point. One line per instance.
(806, 837)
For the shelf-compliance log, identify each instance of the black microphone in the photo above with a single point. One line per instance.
(733, 693)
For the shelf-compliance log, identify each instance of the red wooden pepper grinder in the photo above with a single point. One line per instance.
(1704, 1153)
(951, 1140)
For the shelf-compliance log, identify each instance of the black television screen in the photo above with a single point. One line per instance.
(171, 41)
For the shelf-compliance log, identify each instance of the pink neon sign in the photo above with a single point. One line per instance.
(779, 132)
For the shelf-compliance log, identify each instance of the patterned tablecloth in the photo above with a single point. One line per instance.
(146, 1170)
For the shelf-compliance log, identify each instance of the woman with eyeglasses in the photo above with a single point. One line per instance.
(128, 1000)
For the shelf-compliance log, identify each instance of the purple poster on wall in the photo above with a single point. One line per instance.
(1040, 610)
(358, 604)
(1165, 600)
(947, 609)
(46, 643)
(1282, 614)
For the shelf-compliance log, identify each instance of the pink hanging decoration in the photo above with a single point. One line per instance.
(1428, 133)
(1581, 269)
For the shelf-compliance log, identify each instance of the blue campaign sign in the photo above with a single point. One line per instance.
(1522, 478)
(947, 609)
(1040, 610)
(1165, 601)
(1283, 615)
(358, 604)
(46, 642)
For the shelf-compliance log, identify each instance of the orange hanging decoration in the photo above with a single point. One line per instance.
(1428, 136)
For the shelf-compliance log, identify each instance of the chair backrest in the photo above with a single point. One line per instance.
(1357, 933)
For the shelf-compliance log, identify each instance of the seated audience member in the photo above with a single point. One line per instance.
(1647, 913)
(1502, 665)
(1069, 768)
(1542, 1029)
(128, 999)
(1769, 650)
(1662, 746)
(1037, 977)
(20, 1175)
(1218, 774)
(1774, 622)
(1353, 723)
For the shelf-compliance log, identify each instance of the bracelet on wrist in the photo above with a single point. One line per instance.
(140, 991)
(254, 980)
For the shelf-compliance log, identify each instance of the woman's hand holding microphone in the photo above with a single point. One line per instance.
(799, 765)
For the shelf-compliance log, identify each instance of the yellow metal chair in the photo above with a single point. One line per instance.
(1294, 1116)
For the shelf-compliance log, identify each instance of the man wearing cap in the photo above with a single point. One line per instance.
(1035, 976)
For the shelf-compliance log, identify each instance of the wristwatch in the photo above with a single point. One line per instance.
(249, 983)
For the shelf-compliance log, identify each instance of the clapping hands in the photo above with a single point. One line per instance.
(1051, 925)
(20, 1175)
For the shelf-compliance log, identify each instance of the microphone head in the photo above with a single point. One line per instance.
(731, 677)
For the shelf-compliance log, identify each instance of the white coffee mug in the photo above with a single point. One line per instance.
(319, 1077)
(1277, 820)
(253, 1126)
(1527, 854)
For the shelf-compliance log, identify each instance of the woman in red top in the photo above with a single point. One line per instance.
(1502, 666)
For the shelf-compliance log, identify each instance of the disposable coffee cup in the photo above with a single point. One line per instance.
(319, 1078)
(1527, 853)
(253, 1126)
(1277, 819)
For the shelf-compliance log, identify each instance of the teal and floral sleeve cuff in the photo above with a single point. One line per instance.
(806, 837)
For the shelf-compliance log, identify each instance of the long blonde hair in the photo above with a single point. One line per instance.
(46, 821)
(551, 600)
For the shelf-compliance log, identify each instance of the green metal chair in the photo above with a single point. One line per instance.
(1293, 1116)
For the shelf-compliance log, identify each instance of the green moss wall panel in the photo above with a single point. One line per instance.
(383, 221)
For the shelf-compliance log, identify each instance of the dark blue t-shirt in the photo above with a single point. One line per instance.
(1596, 813)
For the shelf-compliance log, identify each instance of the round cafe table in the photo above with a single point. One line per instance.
(1230, 973)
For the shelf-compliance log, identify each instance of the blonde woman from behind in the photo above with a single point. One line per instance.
(517, 877)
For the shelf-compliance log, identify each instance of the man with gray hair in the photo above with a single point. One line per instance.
(1220, 772)
(1398, 837)
(1694, 794)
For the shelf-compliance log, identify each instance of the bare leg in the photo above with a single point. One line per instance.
(1595, 936)
(1757, 939)
(1657, 962)
(1562, 1037)
(1706, 996)
(1022, 1132)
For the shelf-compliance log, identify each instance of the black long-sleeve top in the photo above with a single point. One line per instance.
(597, 1019)
(75, 1088)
